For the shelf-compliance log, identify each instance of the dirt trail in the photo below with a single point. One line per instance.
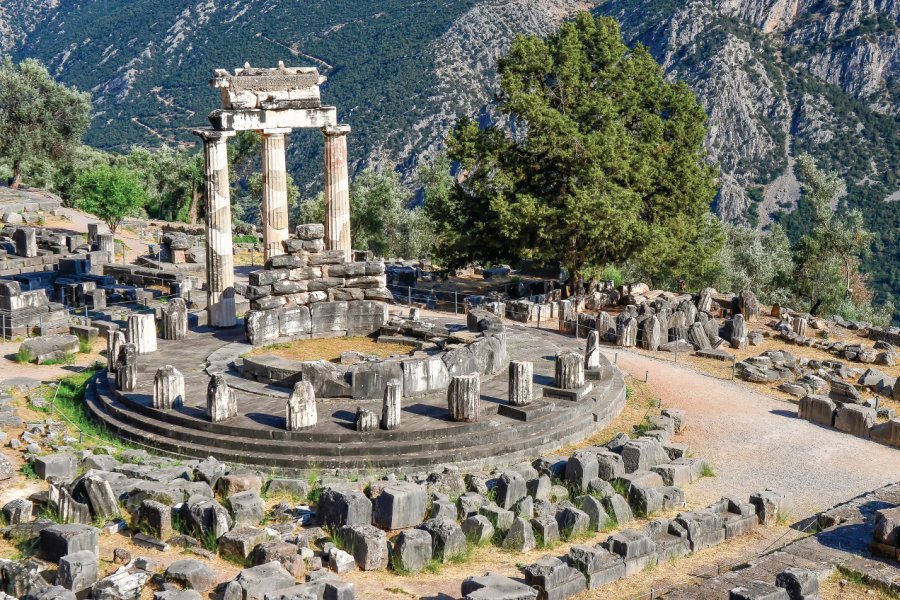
(755, 441)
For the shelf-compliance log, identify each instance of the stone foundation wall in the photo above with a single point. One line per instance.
(313, 292)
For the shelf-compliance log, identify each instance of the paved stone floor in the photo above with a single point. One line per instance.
(262, 406)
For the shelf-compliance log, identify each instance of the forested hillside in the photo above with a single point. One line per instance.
(777, 78)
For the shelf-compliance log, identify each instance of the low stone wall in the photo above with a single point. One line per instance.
(856, 419)
(890, 335)
(313, 292)
(483, 352)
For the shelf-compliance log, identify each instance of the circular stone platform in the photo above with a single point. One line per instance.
(426, 437)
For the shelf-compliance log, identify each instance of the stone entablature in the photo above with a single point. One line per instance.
(268, 89)
(313, 292)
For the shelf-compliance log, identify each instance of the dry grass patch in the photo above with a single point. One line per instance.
(843, 587)
(330, 349)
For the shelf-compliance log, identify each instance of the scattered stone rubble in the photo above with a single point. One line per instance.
(437, 516)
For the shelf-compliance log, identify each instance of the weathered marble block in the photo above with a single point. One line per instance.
(142, 332)
(392, 406)
(301, 407)
(126, 368)
(464, 398)
(366, 420)
(521, 377)
(221, 403)
(114, 341)
(168, 388)
(592, 353)
(174, 319)
(569, 370)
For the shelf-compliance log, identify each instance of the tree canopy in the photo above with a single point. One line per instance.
(597, 158)
(110, 193)
(826, 259)
(39, 118)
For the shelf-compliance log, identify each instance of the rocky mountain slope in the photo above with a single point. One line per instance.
(778, 77)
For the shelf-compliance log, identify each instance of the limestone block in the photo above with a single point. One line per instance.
(193, 574)
(500, 518)
(818, 409)
(398, 505)
(654, 333)
(337, 508)
(572, 522)
(511, 488)
(221, 403)
(284, 553)
(556, 578)
(62, 466)
(329, 317)
(887, 433)
(521, 377)
(294, 321)
(855, 419)
(581, 469)
(738, 332)
(17, 511)
(208, 517)
(642, 454)
(57, 541)
(412, 549)
(593, 508)
(78, 571)
(247, 508)
(598, 564)
(142, 332)
(757, 590)
(258, 582)
(618, 509)
(478, 529)
(174, 319)
(626, 335)
(391, 406)
(25, 239)
(368, 545)
(447, 538)
(239, 542)
(520, 537)
(300, 411)
(262, 326)
(156, 517)
(464, 397)
(424, 375)
(168, 388)
(799, 325)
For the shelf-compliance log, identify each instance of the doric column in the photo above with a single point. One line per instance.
(337, 190)
(219, 246)
(275, 197)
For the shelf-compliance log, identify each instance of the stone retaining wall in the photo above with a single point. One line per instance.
(313, 292)
(855, 419)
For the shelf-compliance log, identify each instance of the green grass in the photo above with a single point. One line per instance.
(620, 486)
(84, 346)
(245, 239)
(24, 356)
(708, 470)
(861, 580)
(69, 403)
(67, 359)
(28, 471)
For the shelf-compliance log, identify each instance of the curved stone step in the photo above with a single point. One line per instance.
(488, 450)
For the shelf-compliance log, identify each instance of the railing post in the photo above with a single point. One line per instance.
(409, 296)
(455, 302)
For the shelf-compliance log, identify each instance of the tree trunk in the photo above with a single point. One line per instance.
(815, 307)
(17, 175)
(196, 195)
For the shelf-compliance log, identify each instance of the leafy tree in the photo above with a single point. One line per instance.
(826, 259)
(110, 193)
(758, 261)
(40, 120)
(603, 160)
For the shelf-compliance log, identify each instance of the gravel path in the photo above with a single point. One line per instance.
(755, 441)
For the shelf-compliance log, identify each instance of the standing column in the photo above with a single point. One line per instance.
(219, 246)
(275, 197)
(337, 190)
